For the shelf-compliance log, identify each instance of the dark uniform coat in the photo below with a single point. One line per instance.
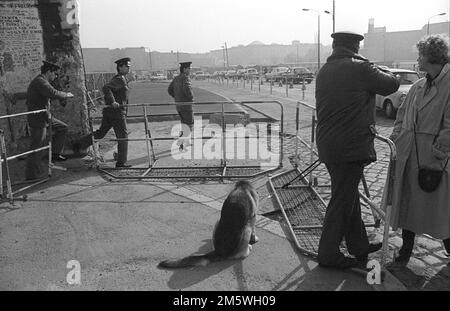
(181, 90)
(116, 90)
(345, 100)
(39, 93)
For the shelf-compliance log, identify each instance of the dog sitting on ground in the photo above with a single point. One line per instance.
(234, 233)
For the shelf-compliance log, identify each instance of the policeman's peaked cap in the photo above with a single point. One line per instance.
(49, 66)
(185, 65)
(122, 61)
(347, 36)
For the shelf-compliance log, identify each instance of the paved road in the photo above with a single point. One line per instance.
(146, 92)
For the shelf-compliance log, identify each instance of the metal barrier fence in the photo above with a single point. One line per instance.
(303, 207)
(223, 171)
(252, 81)
(95, 82)
(5, 158)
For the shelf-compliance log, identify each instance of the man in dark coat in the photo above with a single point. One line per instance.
(181, 90)
(345, 100)
(114, 115)
(39, 94)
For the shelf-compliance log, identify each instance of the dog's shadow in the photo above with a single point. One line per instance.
(186, 277)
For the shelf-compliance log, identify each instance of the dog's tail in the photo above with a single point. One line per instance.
(190, 261)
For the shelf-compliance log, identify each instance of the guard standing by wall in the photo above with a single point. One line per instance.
(181, 90)
(345, 99)
(39, 93)
(114, 115)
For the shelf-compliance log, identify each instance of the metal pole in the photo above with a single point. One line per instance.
(312, 146)
(334, 13)
(297, 117)
(5, 159)
(287, 87)
(50, 130)
(303, 88)
(147, 136)
(1, 168)
(224, 155)
(428, 28)
(318, 41)
(224, 59)
(226, 50)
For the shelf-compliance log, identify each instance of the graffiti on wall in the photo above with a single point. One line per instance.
(20, 44)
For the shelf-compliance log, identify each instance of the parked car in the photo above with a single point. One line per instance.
(158, 77)
(389, 104)
(298, 74)
(251, 73)
(276, 74)
(230, 74)
(200, 75)
(240, 73)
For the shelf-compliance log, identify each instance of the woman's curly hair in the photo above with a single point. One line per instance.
(435, 47)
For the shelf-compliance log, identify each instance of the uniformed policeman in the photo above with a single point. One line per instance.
(114, 115)
(39, 94)
(345, 100)
(181, 90)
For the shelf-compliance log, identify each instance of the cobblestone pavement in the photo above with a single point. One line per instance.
(429, 267)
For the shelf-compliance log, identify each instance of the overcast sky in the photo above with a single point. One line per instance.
(198, 26)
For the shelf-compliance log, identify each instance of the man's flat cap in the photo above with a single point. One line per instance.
(185, 64)
(347, 36)
(123, 61)
(50, 66)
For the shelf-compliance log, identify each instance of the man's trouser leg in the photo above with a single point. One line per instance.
(86, 141)
(120, 128)
(186, 115)
(342, 218)
(187, 118)
(59, 130)
(34, 168)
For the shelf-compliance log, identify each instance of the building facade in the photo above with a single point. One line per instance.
(397, 49)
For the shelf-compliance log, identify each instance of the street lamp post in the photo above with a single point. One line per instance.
(428, 27)
(333, 14)
(318, 36)
(224, 57)
(226, 52)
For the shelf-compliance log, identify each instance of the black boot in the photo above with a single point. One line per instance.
(406, 250)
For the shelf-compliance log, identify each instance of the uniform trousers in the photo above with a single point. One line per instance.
(343, 215)
(186, 114)
(112, 118)
(35, 167)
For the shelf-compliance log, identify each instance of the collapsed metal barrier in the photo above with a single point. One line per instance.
(224, 170)
(304, 209)
(4, 158)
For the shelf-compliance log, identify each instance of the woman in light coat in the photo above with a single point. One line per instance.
(426, 110)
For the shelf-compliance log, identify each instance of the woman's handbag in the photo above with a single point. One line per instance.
(429, 179)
